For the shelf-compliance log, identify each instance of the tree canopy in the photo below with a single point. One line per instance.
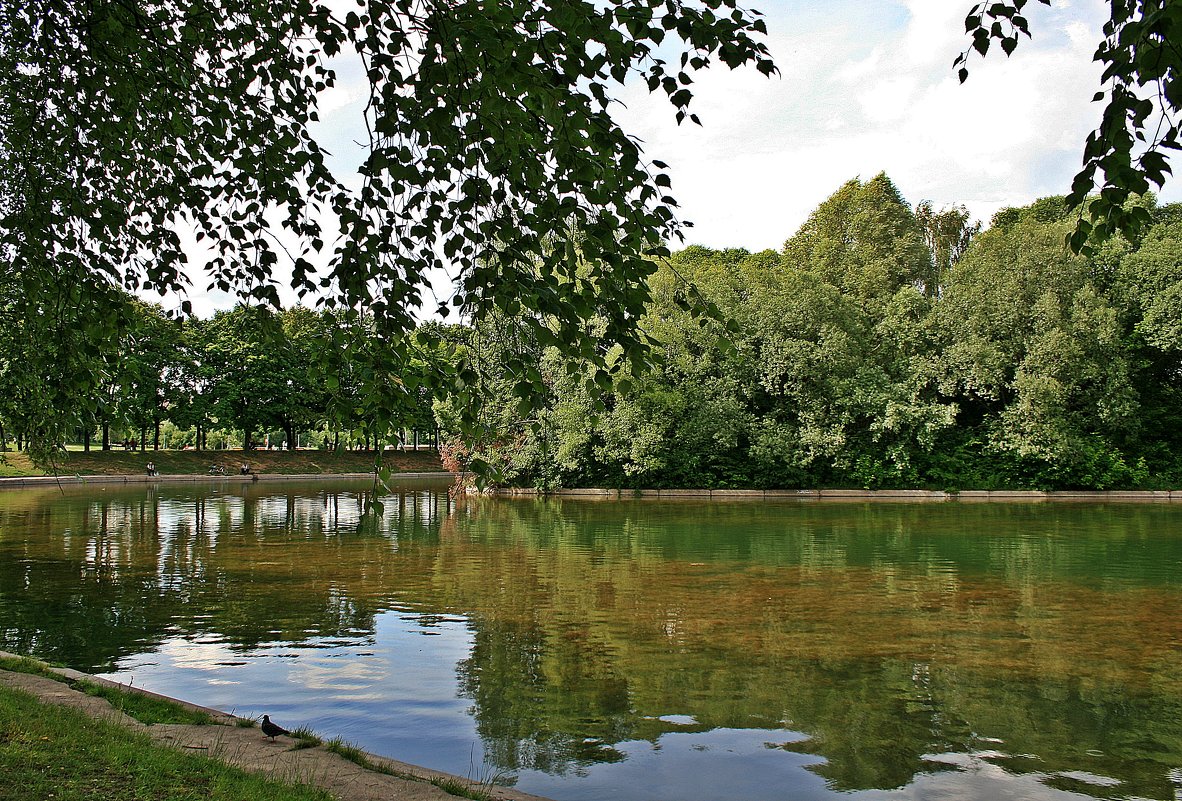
(490, 152)
(852, 361)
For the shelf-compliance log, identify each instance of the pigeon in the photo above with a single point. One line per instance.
(272, 730)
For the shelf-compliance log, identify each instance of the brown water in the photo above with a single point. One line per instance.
(637, 650)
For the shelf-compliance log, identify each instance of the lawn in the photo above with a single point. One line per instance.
(52, 752)
(120, 462)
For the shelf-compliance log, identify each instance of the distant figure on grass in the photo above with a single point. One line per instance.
(245, 469)
(272, 730)
(152, 471)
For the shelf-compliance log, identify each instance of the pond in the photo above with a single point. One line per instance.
(590, 649)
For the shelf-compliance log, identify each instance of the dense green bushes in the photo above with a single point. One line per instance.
(855, 358)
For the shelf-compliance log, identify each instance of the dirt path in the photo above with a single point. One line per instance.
(248, 749)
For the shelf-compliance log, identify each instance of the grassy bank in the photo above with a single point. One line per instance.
(48, 751)
(105, 463)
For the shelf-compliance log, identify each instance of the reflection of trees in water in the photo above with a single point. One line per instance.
(120, 574)
(544, 703)
(885, 634)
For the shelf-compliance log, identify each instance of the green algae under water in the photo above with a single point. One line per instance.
(587, 649)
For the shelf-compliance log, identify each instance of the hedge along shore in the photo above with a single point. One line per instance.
(79, 480)
(896, 496)
(227, 739)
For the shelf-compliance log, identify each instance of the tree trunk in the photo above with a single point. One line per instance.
(86, 441)
(3, 439)
(289, 433)
(156, 439)
(143, 439)
(246, 432)
(106, 435)
(197, 440)
(336, 441)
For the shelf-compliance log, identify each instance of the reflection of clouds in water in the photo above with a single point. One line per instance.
(974, 776)
(1089, 778)
(350, 675)
(194, 655)
(679, 720)
(745, 765)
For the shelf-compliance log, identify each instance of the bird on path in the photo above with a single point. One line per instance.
(272, 730)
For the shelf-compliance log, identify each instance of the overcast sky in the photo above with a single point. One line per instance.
(865, 86)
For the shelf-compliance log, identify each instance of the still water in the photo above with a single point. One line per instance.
(688, 651)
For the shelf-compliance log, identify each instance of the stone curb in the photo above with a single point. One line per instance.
(912, 496)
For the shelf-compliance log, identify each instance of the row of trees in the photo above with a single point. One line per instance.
(882, 346)
(241, 373)
(488, 150)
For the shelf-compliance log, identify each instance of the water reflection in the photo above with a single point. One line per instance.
(597, 650)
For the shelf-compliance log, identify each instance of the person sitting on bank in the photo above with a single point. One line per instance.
(245, 469)
(152, 469)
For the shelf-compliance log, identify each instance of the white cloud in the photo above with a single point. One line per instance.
(867, 89)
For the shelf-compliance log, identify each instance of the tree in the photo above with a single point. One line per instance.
(489, 143)
(293, 354)
(865, 241)
(842, 340)
(190, 396)
(147, 369)
(239, 347)
(1034, 354)
(947, 233)
(1142, 84)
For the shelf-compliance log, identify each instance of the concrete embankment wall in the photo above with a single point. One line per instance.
(863, 495)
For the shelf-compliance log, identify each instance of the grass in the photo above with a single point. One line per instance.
(145, 708)
(120, 462)
(22, 664)
(53, 752)
(95, 781)
(304, 738)
(454, 786)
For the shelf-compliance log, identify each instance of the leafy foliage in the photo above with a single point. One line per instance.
(1143, 93)
(489, 145)
(850, 359)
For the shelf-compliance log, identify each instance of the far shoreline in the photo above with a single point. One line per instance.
(847, 495)
(609, 494)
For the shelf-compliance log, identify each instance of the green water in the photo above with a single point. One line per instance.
(637, 650)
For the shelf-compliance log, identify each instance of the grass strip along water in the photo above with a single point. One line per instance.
(49, 751)
(98, 750)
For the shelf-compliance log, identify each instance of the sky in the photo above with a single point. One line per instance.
(865, 86)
